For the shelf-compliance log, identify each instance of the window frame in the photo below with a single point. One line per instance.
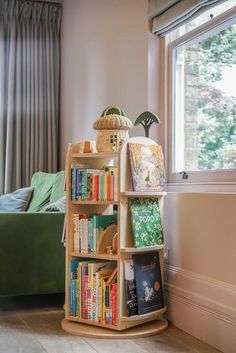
(215, 180)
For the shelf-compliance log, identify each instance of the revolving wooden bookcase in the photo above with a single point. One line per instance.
(127, 327)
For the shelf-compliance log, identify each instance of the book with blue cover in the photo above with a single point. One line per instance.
(148, 282)
(73, 286)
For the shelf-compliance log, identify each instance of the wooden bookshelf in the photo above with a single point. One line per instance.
(127, 327)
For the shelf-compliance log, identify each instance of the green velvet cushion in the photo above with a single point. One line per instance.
(42, 184)
(57, 191)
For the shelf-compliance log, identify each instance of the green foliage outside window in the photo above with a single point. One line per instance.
(217, 124)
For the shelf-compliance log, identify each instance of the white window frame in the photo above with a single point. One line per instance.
(205, 181)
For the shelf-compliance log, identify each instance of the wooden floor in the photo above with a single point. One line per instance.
(33, 325)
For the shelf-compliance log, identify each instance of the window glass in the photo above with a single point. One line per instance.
(205, 102)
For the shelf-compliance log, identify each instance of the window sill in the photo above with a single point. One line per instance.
(219, 188)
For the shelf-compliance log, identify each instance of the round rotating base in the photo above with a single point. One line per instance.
(144, 330)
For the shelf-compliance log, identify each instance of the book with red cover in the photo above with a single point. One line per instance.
(114, 303)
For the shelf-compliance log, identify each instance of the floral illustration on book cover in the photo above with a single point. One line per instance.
(146, 222)
(147, 165)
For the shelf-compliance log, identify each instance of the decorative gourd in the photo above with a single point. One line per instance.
(112, 128)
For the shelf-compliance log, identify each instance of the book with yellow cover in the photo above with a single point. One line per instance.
(99, 293)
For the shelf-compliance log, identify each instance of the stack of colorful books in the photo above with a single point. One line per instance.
(87, 230)
(93, 184)
(93, 291)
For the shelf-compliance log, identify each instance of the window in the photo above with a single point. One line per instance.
(203, 103)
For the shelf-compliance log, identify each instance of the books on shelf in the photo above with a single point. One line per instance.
(143, 280)
(93, 291)
(148, 282)
(131, 297)
(89, 184)
(147, 166)
(146, 222)
(88, 229)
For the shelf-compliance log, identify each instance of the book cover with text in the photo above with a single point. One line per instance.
(147, 166)
(148, 281)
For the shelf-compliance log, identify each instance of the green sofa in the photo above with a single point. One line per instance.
(32, 256)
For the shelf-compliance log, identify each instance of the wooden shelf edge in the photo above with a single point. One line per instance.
(90, 322)
(94, 256)
(94, 202)
(143, 194)
(151, 315)
(144, 330)
(108, 155)
(141, 250)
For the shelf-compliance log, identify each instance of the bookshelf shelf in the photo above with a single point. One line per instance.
(141, 250)
(127, 327)
(151, 315)
(88, 202)
(142, 194)
(103, 155)
(95, 256)
(90, 322)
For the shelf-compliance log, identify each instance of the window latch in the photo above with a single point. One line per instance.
(184, 175)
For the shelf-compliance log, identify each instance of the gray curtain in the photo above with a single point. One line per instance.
(167, 15)
(29, 90)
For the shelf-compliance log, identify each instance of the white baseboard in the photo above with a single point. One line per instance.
(202, 306)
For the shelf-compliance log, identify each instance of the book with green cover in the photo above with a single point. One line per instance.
(146, 222)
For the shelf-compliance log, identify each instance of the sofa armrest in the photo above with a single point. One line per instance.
(31, 253)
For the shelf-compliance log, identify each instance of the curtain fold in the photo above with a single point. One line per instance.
(29, 90)
(170, 14)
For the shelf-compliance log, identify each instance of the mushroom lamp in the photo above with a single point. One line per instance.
(113, 129)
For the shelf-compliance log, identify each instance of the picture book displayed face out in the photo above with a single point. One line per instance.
(147, 165)
(146, 222)
(148, 282)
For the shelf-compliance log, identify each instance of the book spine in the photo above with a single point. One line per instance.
(89, 290)
(112, 187)
(111, 304)
(83, 280)
(79, 291)
(86, 235)
(115, 186)
(99, 301)
(114, 303)
(84, 185)
(102, 299)
(94, 301)
(73, 297)
(107, 304)
(72, 183)
(80, 185)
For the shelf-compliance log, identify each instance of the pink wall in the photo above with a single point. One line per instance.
(104, 62)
